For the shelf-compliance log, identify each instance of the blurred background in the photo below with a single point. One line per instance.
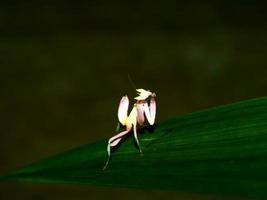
(65, 65)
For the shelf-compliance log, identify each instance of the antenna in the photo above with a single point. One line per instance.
(131, 81)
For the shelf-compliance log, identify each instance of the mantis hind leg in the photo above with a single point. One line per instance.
(107, 162)
(136, 139)
(113, 142)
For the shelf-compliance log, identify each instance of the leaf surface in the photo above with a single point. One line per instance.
(222, 150)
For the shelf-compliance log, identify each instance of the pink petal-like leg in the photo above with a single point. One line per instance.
(112, 142)
(136, 139)
(140, 113)
(153, 109)
(123, 109)
(150, 111)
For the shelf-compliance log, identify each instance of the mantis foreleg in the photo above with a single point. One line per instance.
(150, 111)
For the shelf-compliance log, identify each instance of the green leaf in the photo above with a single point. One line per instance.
(220, 150)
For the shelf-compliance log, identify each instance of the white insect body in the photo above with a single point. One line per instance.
(140, 110)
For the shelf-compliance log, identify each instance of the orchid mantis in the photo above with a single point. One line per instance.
(141, 110)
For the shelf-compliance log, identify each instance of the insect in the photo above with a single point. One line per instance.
(141, 110)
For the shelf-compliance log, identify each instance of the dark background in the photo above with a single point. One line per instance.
(64, 67)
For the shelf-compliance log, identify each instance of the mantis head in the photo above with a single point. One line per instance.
(144, 94)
